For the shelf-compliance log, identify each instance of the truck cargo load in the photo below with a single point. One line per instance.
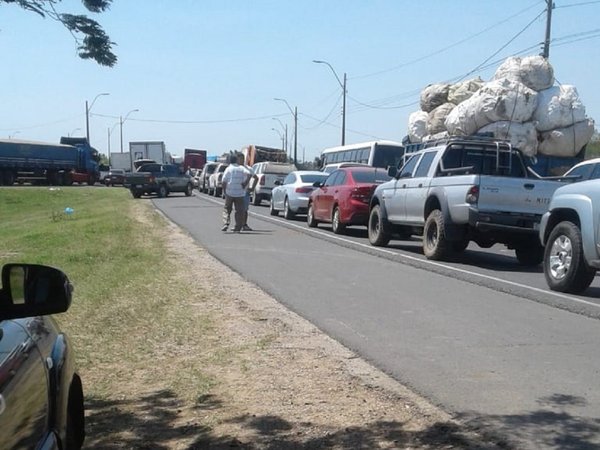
(194, 159)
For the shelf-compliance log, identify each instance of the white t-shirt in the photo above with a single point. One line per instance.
(235, 175)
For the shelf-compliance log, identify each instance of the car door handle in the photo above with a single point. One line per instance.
(404, 186)
(529, 186)
(420, 185)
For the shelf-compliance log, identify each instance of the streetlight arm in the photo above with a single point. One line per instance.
(96, 98)
(334, 73)
(287, 104)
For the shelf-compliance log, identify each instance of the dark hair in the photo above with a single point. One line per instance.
(233, 159)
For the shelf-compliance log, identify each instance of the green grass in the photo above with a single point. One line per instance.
(127, 308)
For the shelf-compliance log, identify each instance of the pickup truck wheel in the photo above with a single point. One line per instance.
(530, 255)
(272, 209)
(379, 235)
(189, 189)
(459, 246)
(435, 243)
(287, 212)
(163, 191)
(336, 225)
(565, 268)
(310, 217)
(135, 193)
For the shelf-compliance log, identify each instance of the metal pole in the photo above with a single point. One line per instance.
(121, 122)
(295, 134)
(286, 140)
(550, 7)
(344, 113)
(87, 122)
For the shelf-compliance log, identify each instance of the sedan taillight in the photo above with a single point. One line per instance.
(362, 193)
(304, 190)
(262, 180)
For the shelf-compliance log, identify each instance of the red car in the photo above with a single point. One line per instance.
(343, 199)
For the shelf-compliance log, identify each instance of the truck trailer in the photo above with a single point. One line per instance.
(73, 160)
(154, 150)
(194, 159)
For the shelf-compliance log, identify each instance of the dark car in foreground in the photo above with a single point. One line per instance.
(41, 396)
(114, 177)
(343, 199)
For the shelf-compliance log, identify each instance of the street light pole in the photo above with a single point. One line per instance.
(122, 121)
(87, 115)
(343, 86)
(295, 114)
(282, 139)
(284, 128)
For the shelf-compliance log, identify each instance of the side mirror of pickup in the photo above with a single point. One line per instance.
(392, 171)
(317, 184)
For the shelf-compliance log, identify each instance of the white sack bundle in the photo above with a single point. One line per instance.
(417, 126)
(521, 135)
(459, 92)
(535, 72)
(566, 141)
(437, 118)
(433, 96)
(496, 101)
(558, 107)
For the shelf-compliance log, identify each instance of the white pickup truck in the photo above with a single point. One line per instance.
(459, 190)
(570, 230)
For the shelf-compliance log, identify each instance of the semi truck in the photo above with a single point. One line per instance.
(194, 159)
(73, 160)
(154, 150)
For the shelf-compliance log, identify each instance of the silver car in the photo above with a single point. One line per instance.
(291, 195)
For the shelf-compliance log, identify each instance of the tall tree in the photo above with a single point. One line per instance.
(92, 41)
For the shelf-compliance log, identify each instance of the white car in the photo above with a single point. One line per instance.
(215, 180)
(291, 195)
(267, 173)
(585, 170)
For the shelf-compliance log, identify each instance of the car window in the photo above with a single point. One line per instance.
(311, 178)
(425, 164)
(341, 179)
(408, 168)
(290, 179)
(583, 172)
(331, 178)
(596, 173)
(371, 176)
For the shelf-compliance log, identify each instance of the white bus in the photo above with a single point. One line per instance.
(375, 153)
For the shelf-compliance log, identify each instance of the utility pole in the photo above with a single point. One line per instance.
(295, 134)
(343, 86)
(549, 8)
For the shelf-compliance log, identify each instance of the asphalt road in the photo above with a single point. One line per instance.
(479, 336)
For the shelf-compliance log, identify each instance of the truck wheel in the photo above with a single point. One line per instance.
(459, 246)
(336, 225)
(435, 243)
(287, 212)
(565, 267)
(272, 209)
(379, 234)
(136, 193)
(310, 217)
(188, 190)
(530, 255)
(162, 191)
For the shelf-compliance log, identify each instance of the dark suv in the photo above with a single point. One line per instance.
(41, 397)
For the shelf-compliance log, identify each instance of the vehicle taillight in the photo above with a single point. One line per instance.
(362, 193)
(304, 190)
(152, 179)
(472, 195)
(262, 180)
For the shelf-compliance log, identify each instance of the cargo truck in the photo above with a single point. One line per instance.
(154, 150)
(194, 159)
(73, 160)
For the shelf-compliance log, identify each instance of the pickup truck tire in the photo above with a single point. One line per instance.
(530, 255)
(336, 225)
(310, 217)
(435, 243)
(135, 193)
(287, 212)
(189, 189)
(565, 267)
(379, 234)
(459, 246)
(163, 191)
(272, 209)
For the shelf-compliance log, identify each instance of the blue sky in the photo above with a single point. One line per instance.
(203, 74)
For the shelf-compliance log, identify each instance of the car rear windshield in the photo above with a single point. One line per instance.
(313, 177)
(279, 168)
(371, 176)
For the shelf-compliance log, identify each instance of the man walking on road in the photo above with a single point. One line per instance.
(252, 179)
(235, 181)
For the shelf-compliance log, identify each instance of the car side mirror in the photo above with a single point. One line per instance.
(33, 290)
(392, 171)
(278, 183)
(317, 184)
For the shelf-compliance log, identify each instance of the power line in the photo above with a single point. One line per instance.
(338, 127)
(337, 102)
(447, 47)
(31, 127)
(245, 119)
(577, 4)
